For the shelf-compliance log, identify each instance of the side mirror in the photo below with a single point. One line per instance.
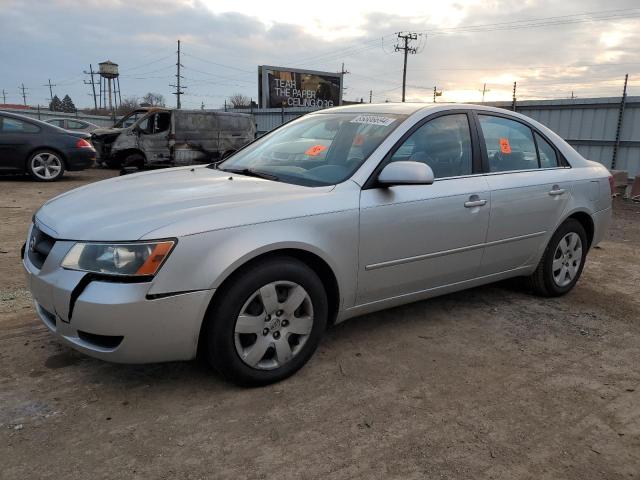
(406, 173)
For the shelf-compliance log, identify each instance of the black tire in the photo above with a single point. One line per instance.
(542, 280)
(132, 163)
(220, 325)
(36, 160)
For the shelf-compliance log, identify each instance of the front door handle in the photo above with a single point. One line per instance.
(556, 191)
(475, 203)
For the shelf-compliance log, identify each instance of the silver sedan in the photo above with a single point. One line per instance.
(339, 213)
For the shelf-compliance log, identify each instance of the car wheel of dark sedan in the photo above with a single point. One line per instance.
(562, 261)
(267, 322)
(45, 166)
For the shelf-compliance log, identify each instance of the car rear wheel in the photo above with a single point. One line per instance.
(562, 262)
(267, 323)
(45, 166)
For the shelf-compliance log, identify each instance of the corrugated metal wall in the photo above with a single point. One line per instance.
(588, 124)
(101, 121)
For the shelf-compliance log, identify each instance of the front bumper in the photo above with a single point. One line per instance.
(115, 321)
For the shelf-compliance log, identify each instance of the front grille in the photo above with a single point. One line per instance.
(39, 246)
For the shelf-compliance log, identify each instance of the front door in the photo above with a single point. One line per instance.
(16, 138)
(154, 137)
(418, 237)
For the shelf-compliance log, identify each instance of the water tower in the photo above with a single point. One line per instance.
(109, 82)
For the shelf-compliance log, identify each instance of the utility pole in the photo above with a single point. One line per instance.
(436, 93)
(24, 94)
(484, 90)
(370, 95)
(623, 101)
(513, 102)
(406, 39)
(573, 97)
(93, 85)
(50, 89)
(177, 86)
(4, 96)
(343, 72)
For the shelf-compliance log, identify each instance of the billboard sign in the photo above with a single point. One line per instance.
(292, 87)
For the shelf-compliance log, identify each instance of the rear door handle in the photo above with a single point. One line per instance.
(556, 191)
(475, 203)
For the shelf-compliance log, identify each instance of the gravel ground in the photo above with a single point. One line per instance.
(488, 383)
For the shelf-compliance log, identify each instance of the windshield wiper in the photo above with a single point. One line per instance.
(250, 172)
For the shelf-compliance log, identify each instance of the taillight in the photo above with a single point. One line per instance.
(82, 143)
(612, 185)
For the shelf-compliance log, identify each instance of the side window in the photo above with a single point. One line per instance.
(13, 125)
(443, 143)
(57, 123)
(509, 144)
(146, 124)
(163, 122)
(548, 156)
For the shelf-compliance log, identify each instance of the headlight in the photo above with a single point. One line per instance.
(130, 259)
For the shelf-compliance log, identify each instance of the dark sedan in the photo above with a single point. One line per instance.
(43, 151)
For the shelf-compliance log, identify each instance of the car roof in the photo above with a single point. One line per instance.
(409, 108)
(50, 127)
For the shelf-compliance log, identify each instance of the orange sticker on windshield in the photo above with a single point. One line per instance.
(504, 146)
(358, 140)
(315, 150)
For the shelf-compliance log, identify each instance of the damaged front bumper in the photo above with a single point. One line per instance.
(111, 320)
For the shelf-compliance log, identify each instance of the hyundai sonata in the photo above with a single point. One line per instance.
(341, 212)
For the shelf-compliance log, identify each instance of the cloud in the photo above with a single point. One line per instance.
(223, 43)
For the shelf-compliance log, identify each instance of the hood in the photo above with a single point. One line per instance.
(174, 202)
(105, 132)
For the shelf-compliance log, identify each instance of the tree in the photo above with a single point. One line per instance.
(67, 105)
(238, 100)
(154, 99)
(55, 105)
(126, 105)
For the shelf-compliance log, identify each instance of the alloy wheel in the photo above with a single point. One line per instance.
(567, 259)
(46, 165)
(273, 325)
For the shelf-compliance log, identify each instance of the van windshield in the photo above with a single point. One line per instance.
(317, 149)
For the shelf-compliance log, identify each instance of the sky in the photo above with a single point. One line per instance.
(552, 49)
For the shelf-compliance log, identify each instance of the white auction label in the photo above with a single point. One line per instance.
(374, 120)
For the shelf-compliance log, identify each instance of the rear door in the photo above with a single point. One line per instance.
(530, 189)
(16, 138)
(418, 237)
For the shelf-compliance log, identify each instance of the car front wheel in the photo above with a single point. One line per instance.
(267, 322)
(562, 262)
(45, 166)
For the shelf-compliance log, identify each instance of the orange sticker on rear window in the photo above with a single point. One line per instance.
(315, 150)
(504, 146)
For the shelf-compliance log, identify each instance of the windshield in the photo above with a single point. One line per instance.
(318, 149)
(130, 118)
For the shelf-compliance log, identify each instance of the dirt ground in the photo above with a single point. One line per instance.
(487, 383)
